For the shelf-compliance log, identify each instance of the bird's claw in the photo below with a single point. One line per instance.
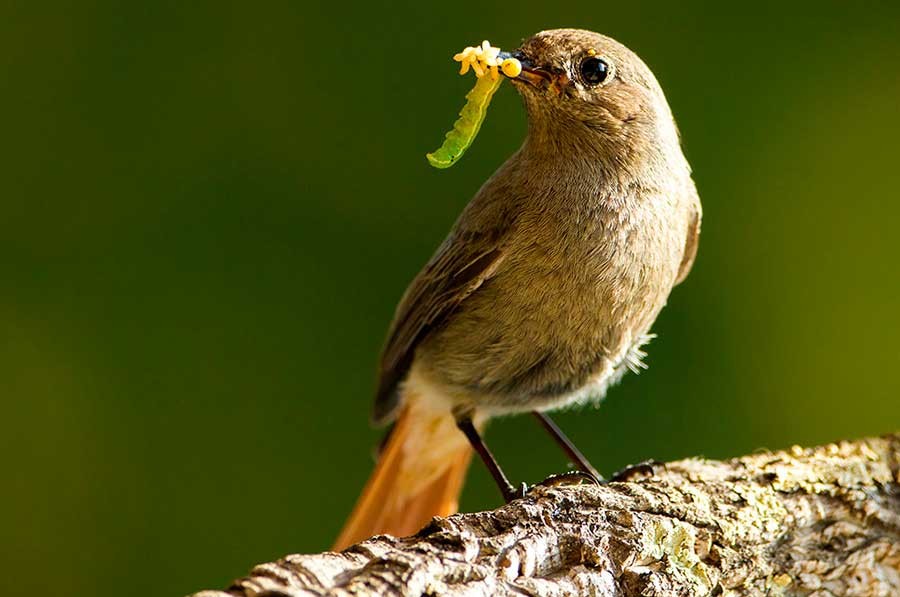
(512, 493)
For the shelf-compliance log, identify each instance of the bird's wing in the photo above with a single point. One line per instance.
(690, 243)
(465, 260)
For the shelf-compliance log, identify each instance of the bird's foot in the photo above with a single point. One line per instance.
(646, 468)
(556, 480)
(568, 478)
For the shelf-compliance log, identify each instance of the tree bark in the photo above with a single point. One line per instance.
(820, 521)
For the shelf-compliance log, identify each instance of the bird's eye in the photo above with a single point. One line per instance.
(594, 71)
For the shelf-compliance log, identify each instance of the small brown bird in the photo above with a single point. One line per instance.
(546, 287)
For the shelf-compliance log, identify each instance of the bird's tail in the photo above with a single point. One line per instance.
(419, 475)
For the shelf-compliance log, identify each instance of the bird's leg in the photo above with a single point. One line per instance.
(567, 446)
(506, 488)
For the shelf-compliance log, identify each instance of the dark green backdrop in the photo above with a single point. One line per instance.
(210, 210)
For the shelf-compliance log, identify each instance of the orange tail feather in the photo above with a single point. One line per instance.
(419, 475)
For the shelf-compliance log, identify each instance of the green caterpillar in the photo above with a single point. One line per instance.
(466, 127)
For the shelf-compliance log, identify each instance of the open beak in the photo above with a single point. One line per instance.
(531, 73)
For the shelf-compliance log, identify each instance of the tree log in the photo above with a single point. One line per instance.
(819, 521)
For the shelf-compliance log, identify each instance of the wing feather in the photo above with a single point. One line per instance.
(465, 261)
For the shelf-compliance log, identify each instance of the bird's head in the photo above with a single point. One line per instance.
(580, 86)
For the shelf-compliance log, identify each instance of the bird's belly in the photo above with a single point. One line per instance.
(541, 339)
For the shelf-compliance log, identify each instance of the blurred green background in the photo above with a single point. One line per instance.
(210, 210)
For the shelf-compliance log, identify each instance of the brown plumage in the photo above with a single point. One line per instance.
(546, 287)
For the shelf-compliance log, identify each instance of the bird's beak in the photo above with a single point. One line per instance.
(531, 73)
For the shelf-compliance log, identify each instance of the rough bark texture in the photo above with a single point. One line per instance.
(820, 521)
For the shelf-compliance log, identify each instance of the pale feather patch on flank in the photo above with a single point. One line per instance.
(631, 358)
(434, 437)
(634, 358)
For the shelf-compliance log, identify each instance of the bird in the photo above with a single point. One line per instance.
(546, 287)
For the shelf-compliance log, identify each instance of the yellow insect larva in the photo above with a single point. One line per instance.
(466, 127)
(511, 67)
(483, 60)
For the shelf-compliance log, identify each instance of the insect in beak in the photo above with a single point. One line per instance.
(532, 74)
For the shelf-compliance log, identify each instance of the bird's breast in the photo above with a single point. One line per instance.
(574, 297)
